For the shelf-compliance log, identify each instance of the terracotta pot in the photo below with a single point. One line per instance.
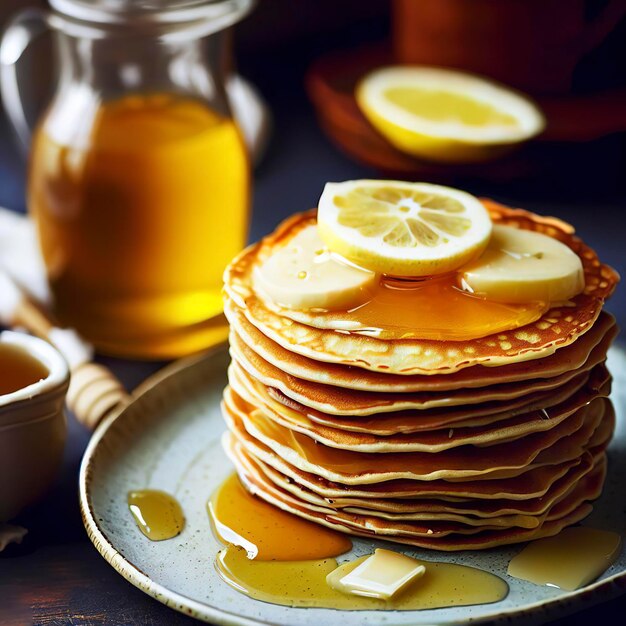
(533, 45)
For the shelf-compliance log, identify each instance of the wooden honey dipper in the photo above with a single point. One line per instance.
(94, 391)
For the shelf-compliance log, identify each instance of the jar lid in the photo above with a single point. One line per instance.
(152, 11)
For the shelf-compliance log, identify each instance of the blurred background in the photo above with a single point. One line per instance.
(575, 171)
(304, 58)
(279, 42)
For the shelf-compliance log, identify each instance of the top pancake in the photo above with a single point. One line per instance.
(591, 346)
(558, 327)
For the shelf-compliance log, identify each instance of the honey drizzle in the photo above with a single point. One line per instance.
(18, 369)
(434, 308)
(266, 532)
(158, 515)
(292, 557)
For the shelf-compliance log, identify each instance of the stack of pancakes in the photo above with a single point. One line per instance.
(440, 444)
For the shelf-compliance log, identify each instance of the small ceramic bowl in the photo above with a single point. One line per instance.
(32, 428)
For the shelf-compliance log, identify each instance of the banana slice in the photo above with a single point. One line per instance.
(304, 274)
(525, 266)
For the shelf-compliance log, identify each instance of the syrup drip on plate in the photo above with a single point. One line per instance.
(158, 515)
(265, 532)
(303, 584)
(294, 557)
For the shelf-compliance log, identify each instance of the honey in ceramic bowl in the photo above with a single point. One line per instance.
(18, 369)
(34, 379)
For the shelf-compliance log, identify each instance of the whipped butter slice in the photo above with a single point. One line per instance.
(380, 575)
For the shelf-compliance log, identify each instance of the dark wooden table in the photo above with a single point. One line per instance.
(56, 577)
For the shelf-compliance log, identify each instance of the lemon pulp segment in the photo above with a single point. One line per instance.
(443, 106)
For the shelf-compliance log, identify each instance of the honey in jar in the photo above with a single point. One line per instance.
(137, 220)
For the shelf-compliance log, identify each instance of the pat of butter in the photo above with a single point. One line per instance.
(569, 560)
(380, 575)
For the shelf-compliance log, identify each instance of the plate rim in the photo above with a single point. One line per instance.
(586, 597)
(122, 565)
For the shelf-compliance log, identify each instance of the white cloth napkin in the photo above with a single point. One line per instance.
(20, 257)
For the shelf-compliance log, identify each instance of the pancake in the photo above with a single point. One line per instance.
(447, 445)
(337, 401)
(533, 483)
(402, 484)
(530, 519)
(441, 439)
(440, 535)
(425, 506)
(587, 489)
(349, 467)
(557, 328)
(583, 388)
(256, 476)
(416, 420)
(436, 523)
(589, 350)
(473, 507)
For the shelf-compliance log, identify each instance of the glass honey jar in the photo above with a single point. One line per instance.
(139, 180)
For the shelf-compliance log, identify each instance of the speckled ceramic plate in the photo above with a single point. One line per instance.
(169, 438)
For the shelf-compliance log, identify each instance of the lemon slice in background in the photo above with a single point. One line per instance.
(444, 115)
(402, 229)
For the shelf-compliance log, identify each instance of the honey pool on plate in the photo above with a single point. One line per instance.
(132, 222)
(274, 556)
(267, 533)
(571, 559)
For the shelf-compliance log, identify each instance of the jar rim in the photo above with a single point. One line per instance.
(146, 14)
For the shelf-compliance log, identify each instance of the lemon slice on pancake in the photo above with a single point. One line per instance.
(402, 229)
(445, 115)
